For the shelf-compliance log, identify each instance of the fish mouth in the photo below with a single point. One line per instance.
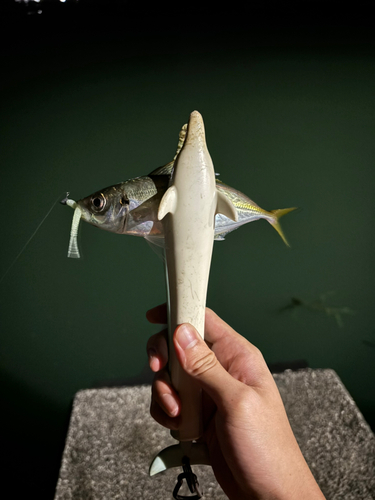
(74, 204)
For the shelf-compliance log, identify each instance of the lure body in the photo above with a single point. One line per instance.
(188, 210)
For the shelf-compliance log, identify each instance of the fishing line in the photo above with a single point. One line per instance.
(28, 241)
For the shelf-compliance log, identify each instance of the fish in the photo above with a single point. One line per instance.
(131, 207)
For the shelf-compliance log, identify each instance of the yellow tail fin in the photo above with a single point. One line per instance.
(279, 213)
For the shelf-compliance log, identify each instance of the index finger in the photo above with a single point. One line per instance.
(158, 315)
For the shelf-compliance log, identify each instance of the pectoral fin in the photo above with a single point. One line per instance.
(226, 207)
(168, 203)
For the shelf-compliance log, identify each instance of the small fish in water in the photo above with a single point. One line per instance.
(319, 305)
(131, 207)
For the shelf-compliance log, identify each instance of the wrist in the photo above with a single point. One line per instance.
(303, 487)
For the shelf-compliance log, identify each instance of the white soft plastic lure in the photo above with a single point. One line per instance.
(188, 210)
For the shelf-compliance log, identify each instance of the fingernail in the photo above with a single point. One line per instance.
(170, 404)
(186, 336)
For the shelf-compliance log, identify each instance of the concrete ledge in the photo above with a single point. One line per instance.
(112, 440)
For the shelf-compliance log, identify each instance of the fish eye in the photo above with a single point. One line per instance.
(98, 202)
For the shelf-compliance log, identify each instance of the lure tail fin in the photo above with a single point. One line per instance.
(173, 456)
(275, 223)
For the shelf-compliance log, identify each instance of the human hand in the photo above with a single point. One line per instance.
(252, 448)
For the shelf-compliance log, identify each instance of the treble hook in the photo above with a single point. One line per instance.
(191, 481)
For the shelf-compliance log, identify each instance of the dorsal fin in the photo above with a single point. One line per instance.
(167, 169)
(181, 139)
(164, 170)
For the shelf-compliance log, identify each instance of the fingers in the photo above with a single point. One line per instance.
(158, 315)
(158, 414)
(165, 404)
(201, 363)
(223, 371)
(164, 394)
(217, 331)
(157, 351)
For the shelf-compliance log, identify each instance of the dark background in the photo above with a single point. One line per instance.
(94, 93)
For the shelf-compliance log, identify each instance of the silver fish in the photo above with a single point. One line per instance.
(131, 207)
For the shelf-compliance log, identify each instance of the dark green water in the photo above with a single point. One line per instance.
(289, 123)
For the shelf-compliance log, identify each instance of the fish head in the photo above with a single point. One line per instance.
(107, 209)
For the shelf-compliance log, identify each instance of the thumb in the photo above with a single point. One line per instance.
(198, 361)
